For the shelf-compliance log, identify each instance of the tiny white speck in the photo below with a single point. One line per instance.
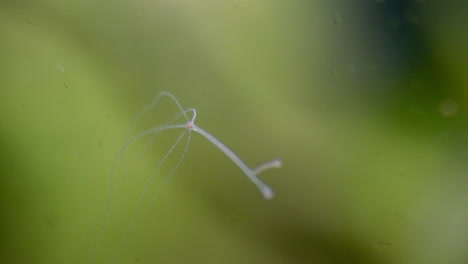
(60, 66)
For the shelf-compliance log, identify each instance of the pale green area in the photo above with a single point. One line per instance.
(374, 172)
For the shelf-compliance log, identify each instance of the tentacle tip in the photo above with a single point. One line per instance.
(277, 163)
(268, 193)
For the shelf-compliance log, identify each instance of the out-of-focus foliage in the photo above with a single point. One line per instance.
(365, 102)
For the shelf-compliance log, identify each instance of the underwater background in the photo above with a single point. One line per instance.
(364, 101)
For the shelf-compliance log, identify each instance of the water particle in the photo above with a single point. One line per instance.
(449, 108)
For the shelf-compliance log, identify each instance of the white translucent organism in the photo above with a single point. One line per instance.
(188, 126)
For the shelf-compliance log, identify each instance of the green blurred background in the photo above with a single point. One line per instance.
(365, 102)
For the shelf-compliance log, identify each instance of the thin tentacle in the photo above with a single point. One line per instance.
(120, 155)
(142, 197)
(152, 105)
(150, 141)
